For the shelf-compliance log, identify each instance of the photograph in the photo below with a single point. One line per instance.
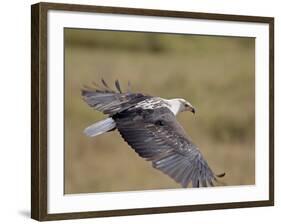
(140, 111)
(153, 111)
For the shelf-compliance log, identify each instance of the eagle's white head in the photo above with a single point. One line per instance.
(180, 105)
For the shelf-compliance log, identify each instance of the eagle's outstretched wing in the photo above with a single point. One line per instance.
(109, 101)
(157, 136)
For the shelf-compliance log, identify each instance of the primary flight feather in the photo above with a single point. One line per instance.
(148, 124)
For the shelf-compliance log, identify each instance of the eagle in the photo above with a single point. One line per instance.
(149, 125)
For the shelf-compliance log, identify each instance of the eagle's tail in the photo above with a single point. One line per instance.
(100, 127)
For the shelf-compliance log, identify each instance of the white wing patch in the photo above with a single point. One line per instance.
(152, 103)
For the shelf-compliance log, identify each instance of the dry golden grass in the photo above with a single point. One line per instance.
(216, 74)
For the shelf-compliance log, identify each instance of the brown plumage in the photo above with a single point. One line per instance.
(148, 124)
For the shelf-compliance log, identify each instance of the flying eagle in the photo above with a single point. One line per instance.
(148, 124)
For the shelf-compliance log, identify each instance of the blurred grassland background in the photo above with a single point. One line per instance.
(216, 74)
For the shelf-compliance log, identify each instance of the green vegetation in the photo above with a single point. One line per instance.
(216, 74)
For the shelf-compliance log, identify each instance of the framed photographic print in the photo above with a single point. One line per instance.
(139, 111)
